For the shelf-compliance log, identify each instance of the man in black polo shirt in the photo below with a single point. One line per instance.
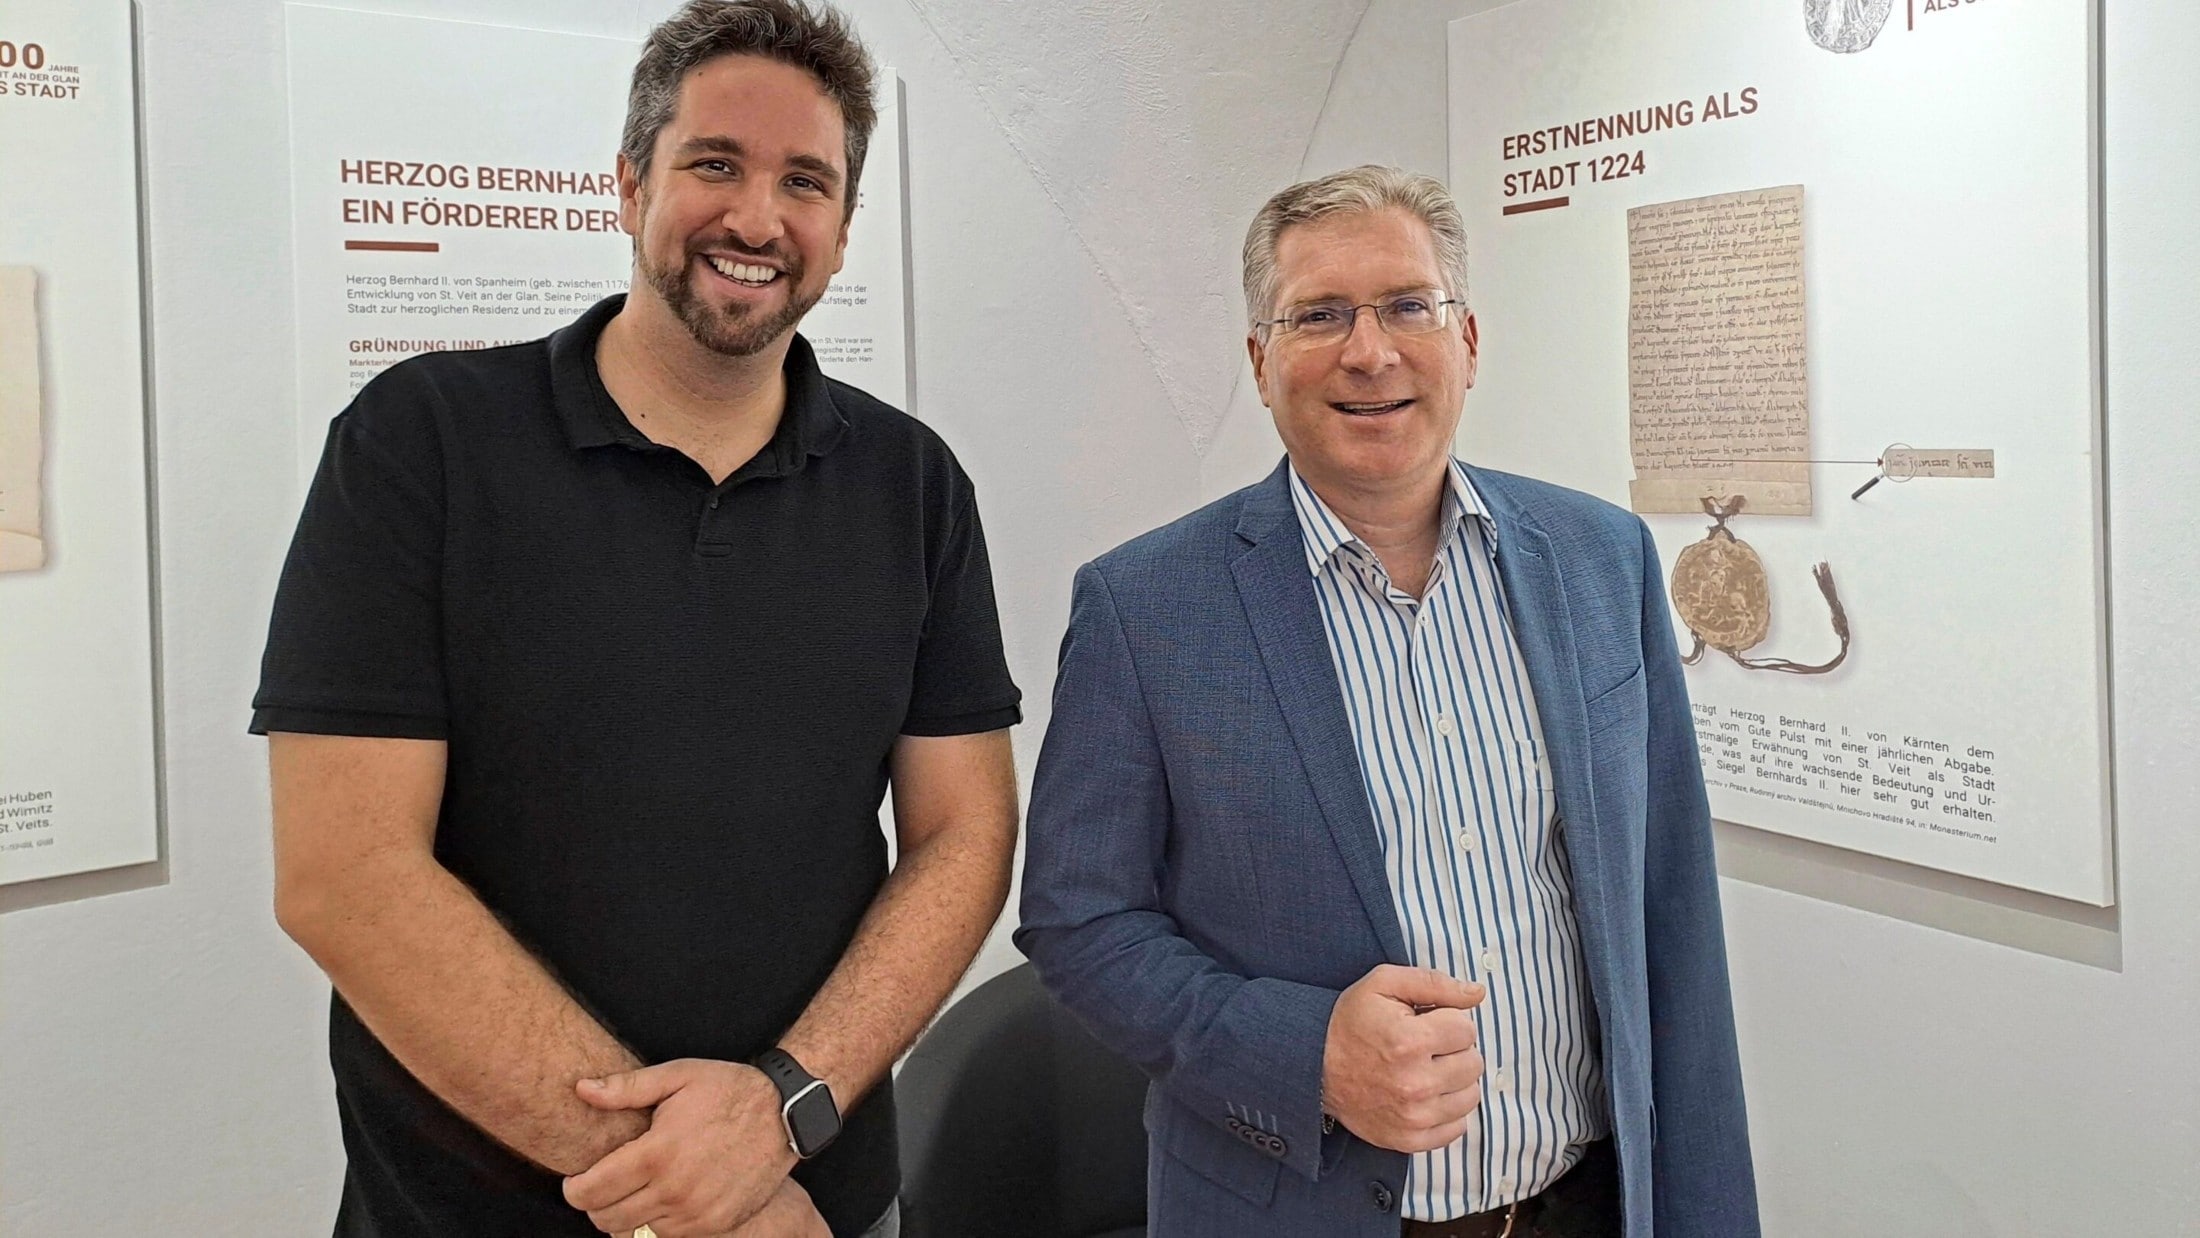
(591, 664)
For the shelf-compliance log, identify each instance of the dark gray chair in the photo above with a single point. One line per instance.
(1015, 1123)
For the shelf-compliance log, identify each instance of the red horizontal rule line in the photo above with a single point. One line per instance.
(1522, 208)
(397, 247)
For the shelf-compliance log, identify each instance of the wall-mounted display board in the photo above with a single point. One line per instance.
(78, 779)
(1810, 284)
(452, 186)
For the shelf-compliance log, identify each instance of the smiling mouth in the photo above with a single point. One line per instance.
(1370, 409)
(746, 274)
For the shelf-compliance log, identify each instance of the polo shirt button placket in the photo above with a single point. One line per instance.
(708, 544)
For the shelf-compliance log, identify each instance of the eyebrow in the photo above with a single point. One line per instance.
(1401, 290)
(719, 144)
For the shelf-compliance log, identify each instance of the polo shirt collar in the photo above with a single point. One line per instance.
(811, 426)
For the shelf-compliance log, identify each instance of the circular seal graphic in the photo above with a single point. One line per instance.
(1719, 587)
(1846, 25)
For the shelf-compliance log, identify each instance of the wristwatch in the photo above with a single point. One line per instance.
(806, 1105)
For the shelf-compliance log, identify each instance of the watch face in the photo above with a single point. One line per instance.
(814, 1121)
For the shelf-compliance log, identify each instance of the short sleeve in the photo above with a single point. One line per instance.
(355, 644)
(962, 685)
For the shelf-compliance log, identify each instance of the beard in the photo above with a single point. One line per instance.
(736, 330)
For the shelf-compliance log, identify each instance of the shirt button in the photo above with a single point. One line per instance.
(1501, 1080)
(713, 502)
(1490, 960)
(1505, 1185)
(1378, 1192)
(1444, 726)
(1466, 840)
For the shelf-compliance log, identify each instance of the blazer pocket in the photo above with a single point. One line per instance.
(1220, 1158)
(1624, 699)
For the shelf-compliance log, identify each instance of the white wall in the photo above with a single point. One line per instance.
(1080, 173)
(1934, 1058)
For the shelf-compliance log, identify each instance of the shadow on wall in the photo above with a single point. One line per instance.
(1965, 906)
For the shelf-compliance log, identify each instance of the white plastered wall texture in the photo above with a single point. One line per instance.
(1078, 174)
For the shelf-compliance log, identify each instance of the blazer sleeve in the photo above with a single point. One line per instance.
(1703, 1184)
(1245, 1054)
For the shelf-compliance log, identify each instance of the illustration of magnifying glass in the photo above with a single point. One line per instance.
(1898, 463)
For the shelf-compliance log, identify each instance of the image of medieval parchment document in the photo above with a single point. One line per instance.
(475, 204)
(1718, 397)
(1810, 288)
(78, 780)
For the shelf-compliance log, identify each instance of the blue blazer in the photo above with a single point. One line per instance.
(1203, 876)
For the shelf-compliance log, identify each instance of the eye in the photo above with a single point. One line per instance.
(716, 167)
(1316, 316)
(1410, 305)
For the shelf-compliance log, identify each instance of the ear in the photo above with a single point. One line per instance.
(630, 198)
(1472, 334)
(1259, 357)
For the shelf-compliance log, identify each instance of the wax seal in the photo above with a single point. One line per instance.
(1846, 25)
(1721, 590)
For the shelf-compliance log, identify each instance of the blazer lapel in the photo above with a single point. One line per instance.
(1535, 596)
(1278, 595)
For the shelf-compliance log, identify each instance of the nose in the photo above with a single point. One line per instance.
(752, 213)
(1367, 348)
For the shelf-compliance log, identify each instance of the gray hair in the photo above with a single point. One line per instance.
(816, 38)
(1369, 187)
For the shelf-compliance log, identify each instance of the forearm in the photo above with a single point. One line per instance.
(1093, 922)
(914, 944)
(1221, 1044)
(479, 1021)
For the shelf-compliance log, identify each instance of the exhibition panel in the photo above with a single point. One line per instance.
(78, 784)
(1812, 287)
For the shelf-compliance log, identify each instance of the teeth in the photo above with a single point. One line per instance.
(1369, 408)
(747, 273)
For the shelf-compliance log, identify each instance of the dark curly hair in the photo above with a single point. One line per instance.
(814, 37)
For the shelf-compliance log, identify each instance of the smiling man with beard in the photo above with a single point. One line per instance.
(592, 662)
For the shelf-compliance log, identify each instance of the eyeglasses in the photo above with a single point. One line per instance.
(1415, 312)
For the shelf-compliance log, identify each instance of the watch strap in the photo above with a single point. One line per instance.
(794, 1083)
(785, 1073)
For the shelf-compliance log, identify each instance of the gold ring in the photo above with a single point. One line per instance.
(643, 1231)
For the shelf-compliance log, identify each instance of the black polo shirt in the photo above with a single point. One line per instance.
(669, 705)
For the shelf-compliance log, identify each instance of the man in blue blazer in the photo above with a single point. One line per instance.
(1370, 821)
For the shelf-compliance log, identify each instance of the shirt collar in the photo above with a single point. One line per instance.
(811, 425)
(1325, 533)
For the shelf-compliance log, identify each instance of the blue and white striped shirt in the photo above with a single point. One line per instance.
(1457, 777)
